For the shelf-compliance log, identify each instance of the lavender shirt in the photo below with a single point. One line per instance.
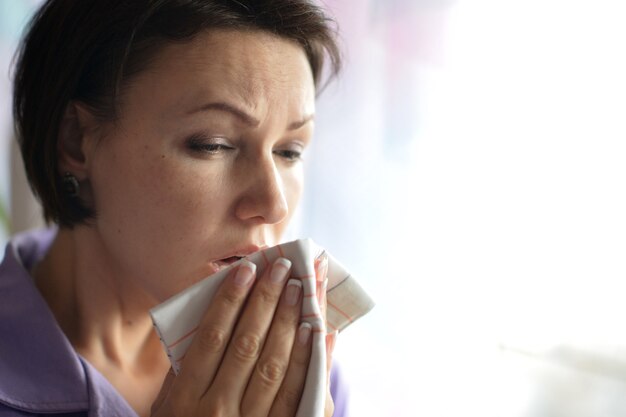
(40, 373)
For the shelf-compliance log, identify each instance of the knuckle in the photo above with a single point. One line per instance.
(288, 319)
(230, 298)
(271, 371)
(301, 361)
(177, 406)
(267, 296)
(211, 339)
(289, 397)
(215, 408)
(247, 346)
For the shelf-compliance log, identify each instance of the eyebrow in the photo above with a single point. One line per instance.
(245, 117)
(297, 125)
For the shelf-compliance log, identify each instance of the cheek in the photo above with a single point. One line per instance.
(145, 192)
(293, 183)
(159, 207)
(125, 179)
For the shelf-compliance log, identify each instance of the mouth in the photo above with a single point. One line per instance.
(234, 256)
(226, 262)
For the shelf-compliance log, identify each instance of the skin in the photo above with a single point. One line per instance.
(202, 163)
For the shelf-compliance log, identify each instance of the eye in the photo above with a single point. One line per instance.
(291, 152)
(208, 145)
(289, 155)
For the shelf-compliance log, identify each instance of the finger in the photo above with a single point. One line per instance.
(329, 406)
(288, 397)
(249, 336)
(205, 353)
(272, 366)
(331, 339)
(165, 389)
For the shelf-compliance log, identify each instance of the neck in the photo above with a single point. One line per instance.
(102, 313)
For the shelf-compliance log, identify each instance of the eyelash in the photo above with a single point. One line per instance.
(290, 155)
(202, 144)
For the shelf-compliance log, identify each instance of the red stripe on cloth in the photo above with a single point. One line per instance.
(192, 331)
(304, 277)
(339, 310)
(267, 262)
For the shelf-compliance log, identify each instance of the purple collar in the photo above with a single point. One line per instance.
(39, 370)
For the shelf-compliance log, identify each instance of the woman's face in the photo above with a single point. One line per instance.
(203, 163)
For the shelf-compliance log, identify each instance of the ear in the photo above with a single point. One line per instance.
(77, 135)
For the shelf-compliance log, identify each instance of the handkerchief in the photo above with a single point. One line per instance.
(177, 319)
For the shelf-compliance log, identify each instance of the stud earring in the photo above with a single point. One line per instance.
(70, 184)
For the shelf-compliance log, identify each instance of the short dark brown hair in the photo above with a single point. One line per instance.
(85, 50)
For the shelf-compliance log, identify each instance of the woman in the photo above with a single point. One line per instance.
(165, 139)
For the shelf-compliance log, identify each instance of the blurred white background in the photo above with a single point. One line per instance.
(469, 168)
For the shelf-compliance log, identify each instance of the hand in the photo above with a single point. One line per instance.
(250, 354)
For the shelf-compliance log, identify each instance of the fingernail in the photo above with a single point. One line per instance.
(304, 333)
(245, 273)
(279, 270)
(292, 293)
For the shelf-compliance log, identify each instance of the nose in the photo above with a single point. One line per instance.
(263, 198)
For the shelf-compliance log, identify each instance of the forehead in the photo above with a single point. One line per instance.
(252, 67)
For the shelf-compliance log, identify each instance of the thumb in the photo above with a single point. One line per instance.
(331, 338)
(165, 390)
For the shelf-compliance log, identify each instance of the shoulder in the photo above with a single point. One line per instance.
(27, 248)
(39, 370)
(6, 411)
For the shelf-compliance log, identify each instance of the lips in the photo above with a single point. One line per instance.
(223, 263)
(235, 255)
